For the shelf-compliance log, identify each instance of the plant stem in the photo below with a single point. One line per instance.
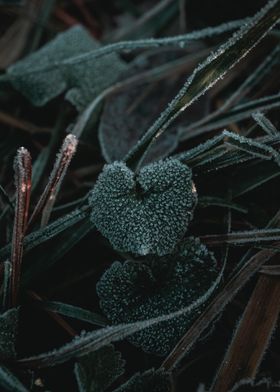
(22, 167)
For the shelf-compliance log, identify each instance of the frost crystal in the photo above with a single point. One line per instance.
(147, 213)
(133, 291)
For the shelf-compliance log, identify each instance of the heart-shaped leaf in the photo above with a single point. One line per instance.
(144, 213)
(137, 290)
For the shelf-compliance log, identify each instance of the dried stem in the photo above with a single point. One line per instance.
(23, 169)
(252, 337)
(217, 306)
(48, 197)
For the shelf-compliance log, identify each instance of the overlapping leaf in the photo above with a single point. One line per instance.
(138, 290)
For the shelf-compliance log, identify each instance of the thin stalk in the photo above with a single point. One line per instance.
(48, 197)
(22, 167)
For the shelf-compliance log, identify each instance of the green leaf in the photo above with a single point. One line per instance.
(83, 81)
(150, 381)
(133, 291)
(8, 333)
(208, 74)
(147, 213)
(95, 372)
(9, 382)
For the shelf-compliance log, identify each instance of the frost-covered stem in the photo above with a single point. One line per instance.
(23, 169)
(252, 337)
(48, 197)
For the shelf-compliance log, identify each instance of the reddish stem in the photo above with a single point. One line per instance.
(23, 170)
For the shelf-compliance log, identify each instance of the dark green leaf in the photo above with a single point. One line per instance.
(153, 287)
(147, 213)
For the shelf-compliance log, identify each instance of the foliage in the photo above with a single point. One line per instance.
(187, 201)
(147, 213)
(134, 290)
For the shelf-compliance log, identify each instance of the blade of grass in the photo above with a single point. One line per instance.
(208, 74)
(252, 337)
(75, 312)
(242, 237)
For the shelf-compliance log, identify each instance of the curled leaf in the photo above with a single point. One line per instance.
(133, 291)
(144, 213)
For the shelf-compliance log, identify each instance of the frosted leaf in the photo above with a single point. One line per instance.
(152, 380)
(127, 114)
(96, 371)
(8, 332)
(133, 291)
(147, 213)
(9, 382)
(82, 81)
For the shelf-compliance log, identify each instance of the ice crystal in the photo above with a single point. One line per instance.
(133, 291)
(147, 213)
